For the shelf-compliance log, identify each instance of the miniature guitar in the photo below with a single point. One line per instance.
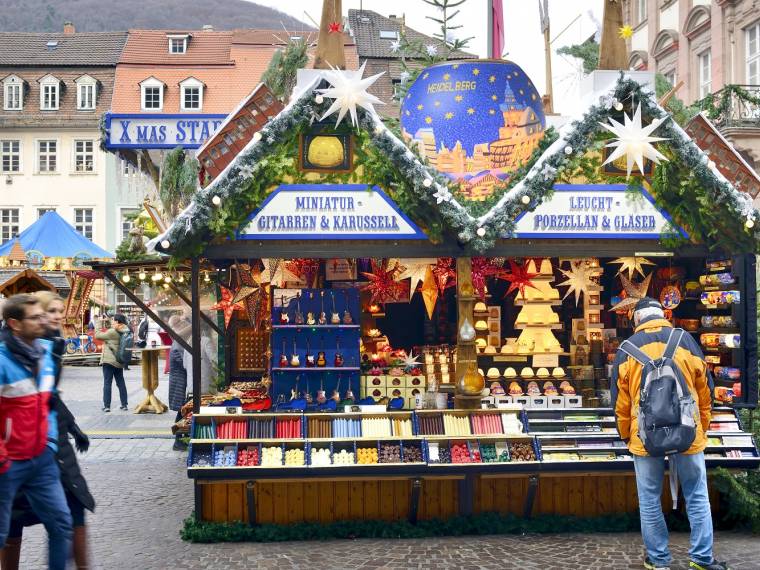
(349, 393)
(284, 318)
(307, 394)
(294, 391)
(322, 315)
(338, 356)
(321, 397)
(335, 316)
(321, 360)
(336, 393)
(295, 361)
(283, 357)
(311, 361)
(299, 315)
(347, 319)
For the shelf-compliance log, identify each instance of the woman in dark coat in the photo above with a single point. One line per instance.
(177, 372)
(77, 494)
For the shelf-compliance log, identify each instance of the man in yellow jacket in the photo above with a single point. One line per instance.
(651, 336)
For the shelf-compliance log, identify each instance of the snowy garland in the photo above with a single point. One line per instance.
(204, 218)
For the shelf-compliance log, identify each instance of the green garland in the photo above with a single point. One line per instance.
(724, 98)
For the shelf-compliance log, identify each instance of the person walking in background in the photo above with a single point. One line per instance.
(30, 427)
(661, 369)
(75, 487)
(112, 368)
(180, 323)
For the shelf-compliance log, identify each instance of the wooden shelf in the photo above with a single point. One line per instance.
(305, 326)
(554, 327)
(318, 369)
(552, 302)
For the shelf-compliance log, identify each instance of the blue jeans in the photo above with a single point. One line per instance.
(111, 373)
(650, 472)
(40, 479)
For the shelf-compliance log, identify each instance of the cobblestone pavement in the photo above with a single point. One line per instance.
(143, 494)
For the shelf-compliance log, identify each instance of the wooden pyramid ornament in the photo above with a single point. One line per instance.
(17, 256)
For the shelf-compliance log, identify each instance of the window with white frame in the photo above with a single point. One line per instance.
(13, 93)
(127, 222)
(10, 156)
(86, 93)
(191, 94)
(753, 54)
(47, 156)
(704, 65)
(44, 210)
(49, 93)
(9, 223)
(177, 44)
(83, 222)
(84, 156)
(152, 91)
(640, 7)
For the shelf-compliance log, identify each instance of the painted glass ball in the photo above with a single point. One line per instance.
(475, 121)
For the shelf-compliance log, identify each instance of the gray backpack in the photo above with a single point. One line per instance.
(666, 406)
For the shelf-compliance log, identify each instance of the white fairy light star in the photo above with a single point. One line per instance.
(634, 141)
(349, 91)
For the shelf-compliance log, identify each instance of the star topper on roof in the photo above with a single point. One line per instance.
(349, 90)
(334, 28)
(634, 141)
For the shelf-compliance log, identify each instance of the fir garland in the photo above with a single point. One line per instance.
(724, 99)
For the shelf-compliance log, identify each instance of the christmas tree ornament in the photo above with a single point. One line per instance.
(414, 270)
(518, 277)
(631, 265)
(633, 293)
(227, 305)
(579, 279)
(634, 141)
(348, 92)
(429, 291)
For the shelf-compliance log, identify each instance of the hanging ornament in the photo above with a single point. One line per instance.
(254, 305)
(349, 90)
(273, 271)
(429, 291)
(445, 273)
(466, 331)
(632, 294)
(250, 293)
(334, 28)
(634, 141)
(579, 279)
(625, 32)
(382, 283)
(518, 277)
(631, 265)
(670, 297)
(227, 305)
(414, 270)
(481, 269)
(305, 268)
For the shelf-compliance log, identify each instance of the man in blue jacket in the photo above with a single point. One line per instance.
(28, 433)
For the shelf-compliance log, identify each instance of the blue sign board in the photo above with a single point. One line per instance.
(151, 130)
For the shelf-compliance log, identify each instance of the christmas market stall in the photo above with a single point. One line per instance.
(432, 311)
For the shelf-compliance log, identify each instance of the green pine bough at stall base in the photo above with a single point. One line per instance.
(387, 162)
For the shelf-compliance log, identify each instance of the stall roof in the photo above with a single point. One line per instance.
(192, 230)
(53, 236)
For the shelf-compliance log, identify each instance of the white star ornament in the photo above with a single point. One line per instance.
(349, 90)
(634, 141)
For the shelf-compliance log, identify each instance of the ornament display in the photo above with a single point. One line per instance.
(476, 121)
(519, 278)
(414, 270)
(481, 269)
(631, 265)
(579, 279)
(634, 292)
(349, 91)
(382, 285)
(227, 305)
(634, 141)
(720, 297)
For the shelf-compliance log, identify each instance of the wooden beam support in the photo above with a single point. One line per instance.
(195, 308)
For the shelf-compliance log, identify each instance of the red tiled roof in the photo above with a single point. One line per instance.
(151, 47)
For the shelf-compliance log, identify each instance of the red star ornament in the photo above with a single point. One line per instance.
(445, 273)
(519, 278)
(334, 28)
(227, 305)
(382, 284)
(482, 269)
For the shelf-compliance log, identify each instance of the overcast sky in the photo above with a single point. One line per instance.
(524, 40)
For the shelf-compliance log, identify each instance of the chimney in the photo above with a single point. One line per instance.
(68, 29)
(208, 28)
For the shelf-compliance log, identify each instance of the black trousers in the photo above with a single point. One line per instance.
(113, 373)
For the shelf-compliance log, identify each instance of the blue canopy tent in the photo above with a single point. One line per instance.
(52, 236)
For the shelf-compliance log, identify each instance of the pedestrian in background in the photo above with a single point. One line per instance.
(75, 487)
(30, 426)
(648, 360)
(180, 324)
(112, 368)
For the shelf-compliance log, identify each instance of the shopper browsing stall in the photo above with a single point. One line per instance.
(113, 368)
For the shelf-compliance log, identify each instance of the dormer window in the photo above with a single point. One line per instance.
(178, 43)
(86, 93)
(191, 94)
(13, 93)
(152, 94)
(388, 35)
(50, 91)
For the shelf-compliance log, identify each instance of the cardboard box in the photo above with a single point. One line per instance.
(374, 381)
(486, 402)
(555, 402)
(416, 382)
(573, 401)
(523, 400)
(539, 402)
(503, 400)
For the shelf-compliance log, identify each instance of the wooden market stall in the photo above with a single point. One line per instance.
(321, 234)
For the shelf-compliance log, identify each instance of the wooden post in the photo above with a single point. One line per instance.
(195, 335)
(469, 384)
(548, 98)
(330, 44)
(613, 52)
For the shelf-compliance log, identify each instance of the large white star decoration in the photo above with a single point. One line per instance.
(349, 90)
(631, 265)
(411, 361)
(634, 141)
(395, 46)
(415, 270)
(579, 279)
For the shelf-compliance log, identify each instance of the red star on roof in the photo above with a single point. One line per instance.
(334, 28)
